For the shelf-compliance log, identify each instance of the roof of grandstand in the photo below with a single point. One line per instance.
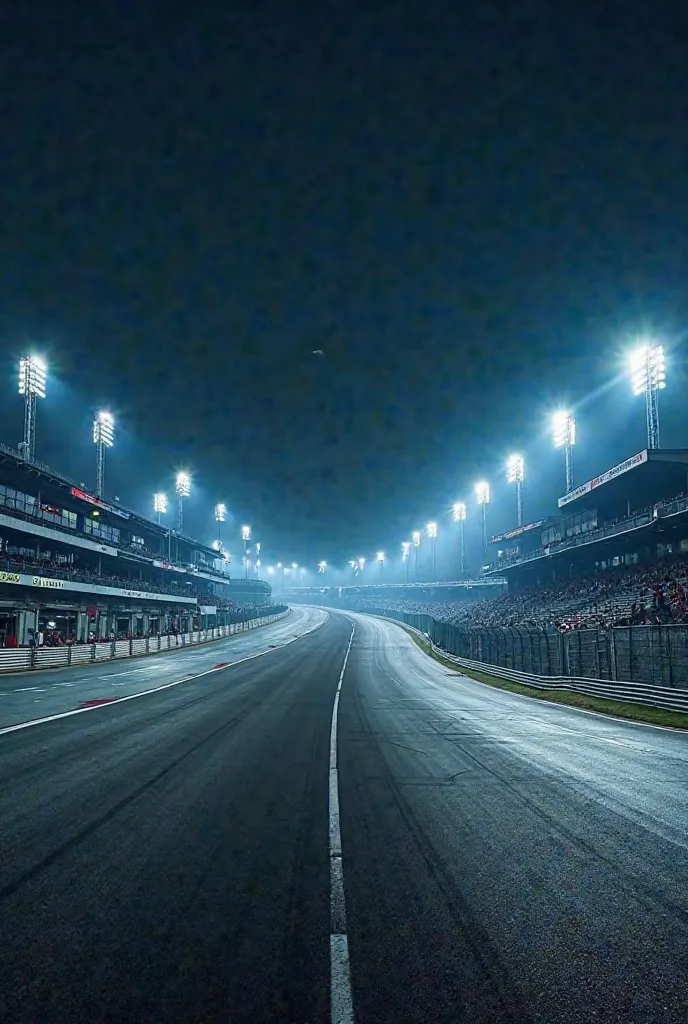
(18, 470)
(646, 477)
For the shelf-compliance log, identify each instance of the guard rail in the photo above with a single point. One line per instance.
(25, 658)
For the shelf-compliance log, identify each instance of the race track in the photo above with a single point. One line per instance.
(167, 858)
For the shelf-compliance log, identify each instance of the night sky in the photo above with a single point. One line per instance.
(470, 208)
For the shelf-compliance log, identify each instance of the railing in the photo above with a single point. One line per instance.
(14, 660)
(643, 664)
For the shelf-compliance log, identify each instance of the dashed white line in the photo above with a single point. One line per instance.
(341, 1001)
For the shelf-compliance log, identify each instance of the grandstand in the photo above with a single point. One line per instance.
(631, 515)
(75, 567)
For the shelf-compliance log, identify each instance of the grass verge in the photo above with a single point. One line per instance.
(618, 708)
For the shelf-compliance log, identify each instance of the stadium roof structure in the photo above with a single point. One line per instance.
(648, 477)
(19, 469)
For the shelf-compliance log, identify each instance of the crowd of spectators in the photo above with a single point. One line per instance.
(629, 595)
(87, 574)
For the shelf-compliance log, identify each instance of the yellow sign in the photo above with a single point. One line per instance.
(43, 581)
(9, 577)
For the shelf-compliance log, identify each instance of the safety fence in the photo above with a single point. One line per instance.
(13, 660)
(643, 664)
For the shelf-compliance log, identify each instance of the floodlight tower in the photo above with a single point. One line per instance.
(246, 536)
(220, 518)
(431, 530)
(381, 562)
(459, 516)
(415, 537)
(564, 435)
(406, 555)
(160, 505)
(648, 377)
(103, 437)
(514, 475)
(183, 490)
(482, 493)
(322, 568)
(32, 376)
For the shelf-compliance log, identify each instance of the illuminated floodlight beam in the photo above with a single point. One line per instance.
(32, 380)
(182, 487)
(648, 377)
(564, 436)
(160, 504)
(103, 437)
(459, 516)
(514, 475)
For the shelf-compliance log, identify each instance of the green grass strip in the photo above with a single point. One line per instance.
(618, 708)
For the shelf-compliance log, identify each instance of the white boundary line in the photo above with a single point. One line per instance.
(341, 1001)
(460, 671)
(156, 689)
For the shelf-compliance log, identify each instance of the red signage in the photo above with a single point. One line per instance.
(93, 500)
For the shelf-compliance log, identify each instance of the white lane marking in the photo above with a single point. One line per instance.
(341, 1001)
(524, 696)
(156, 689)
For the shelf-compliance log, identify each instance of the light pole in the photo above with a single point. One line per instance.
(459, 516)
(381, 562)
(406, 555)
(182, 489)
(361, 566)
(431, 530)
(648, 377)
(482, 493)
(514, 475)
(103, 437)
(32, 376)
(220, 518)
(322, 569)
(354, 565)
(564, 435)
(246, 536)
(415, 537)
(160, 505)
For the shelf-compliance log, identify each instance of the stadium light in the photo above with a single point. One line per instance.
(564, 436)
(431, 530)
(103, 437)
(220, 518)
(322, 567)
(32, 379)
(160, 505)
(648, 377)
(246, 536)
(406, 555)
(459, 516)
(182, 489)
(482, 493)
(514, 475)
(216, 545)
(415, 537)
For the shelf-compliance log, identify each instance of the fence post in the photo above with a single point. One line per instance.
(612, 653)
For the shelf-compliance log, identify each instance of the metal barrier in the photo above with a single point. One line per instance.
(642, 664)
(17, 659)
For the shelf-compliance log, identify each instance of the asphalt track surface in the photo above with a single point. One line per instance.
(35, 694)
(167, 858)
